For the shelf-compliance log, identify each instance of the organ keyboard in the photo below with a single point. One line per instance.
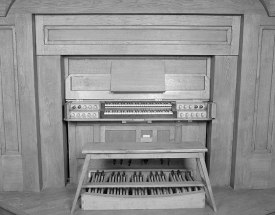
(90, 110)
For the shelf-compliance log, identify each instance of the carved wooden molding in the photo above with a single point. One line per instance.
(269, 6)
(5, 6)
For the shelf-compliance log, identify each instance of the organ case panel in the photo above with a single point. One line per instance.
(137, 34)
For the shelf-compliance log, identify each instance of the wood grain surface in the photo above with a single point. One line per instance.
(149, 7)
(58, 202)
(5, 6)
(181, 147)
(220, 136)
(245, 102)
(137, 34)
(28, 103)
(51, 121)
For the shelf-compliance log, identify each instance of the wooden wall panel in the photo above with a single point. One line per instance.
(245, 103)
(9, 91)
(51, 121)
(29, 126)
(220, 132)
(253, 156)
(12, 173)
(265, 94)
(137, 34)
(261, 160)
(11, 176)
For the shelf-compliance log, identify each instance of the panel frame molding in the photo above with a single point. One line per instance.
(271, 120)
(16, 92)
(230, 24)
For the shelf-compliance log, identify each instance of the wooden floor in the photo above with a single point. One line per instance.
(58, 202)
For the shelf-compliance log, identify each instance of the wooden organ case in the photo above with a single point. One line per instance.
(138, 99)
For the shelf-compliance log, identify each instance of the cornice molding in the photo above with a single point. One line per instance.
(269, 6)
(5, 6)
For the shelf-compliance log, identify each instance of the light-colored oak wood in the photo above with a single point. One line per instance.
(5, 6)
(81, 180)
(240, 174)
(102, 64)
(180, 81)
(98, 35)
(269, 5)
(144, 184)
(58, 202)
(260, 159)
(82, 132)
(9, 92)
(32, 172)
(12, 172)
(96, 202)
(137, 34)
(122, 148)
(220, 132)
(51, 121)
(137, 76)
(254, 161)
(205, 177)
(147, 7)
(144, 156)
(264, 98)
(95, 82)
(11, 176)
(150, 150)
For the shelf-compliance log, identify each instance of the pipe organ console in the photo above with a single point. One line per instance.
(139, 110)
(138, 99)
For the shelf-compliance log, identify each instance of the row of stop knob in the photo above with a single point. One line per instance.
(84, 115)
(84, 107)
(192, 114)
(191, 106)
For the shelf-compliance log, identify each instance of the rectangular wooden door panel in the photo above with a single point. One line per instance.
(262, 159)
(265, 94)
(137, 34)
(253, 165)
(11, 169)
(9, 101)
